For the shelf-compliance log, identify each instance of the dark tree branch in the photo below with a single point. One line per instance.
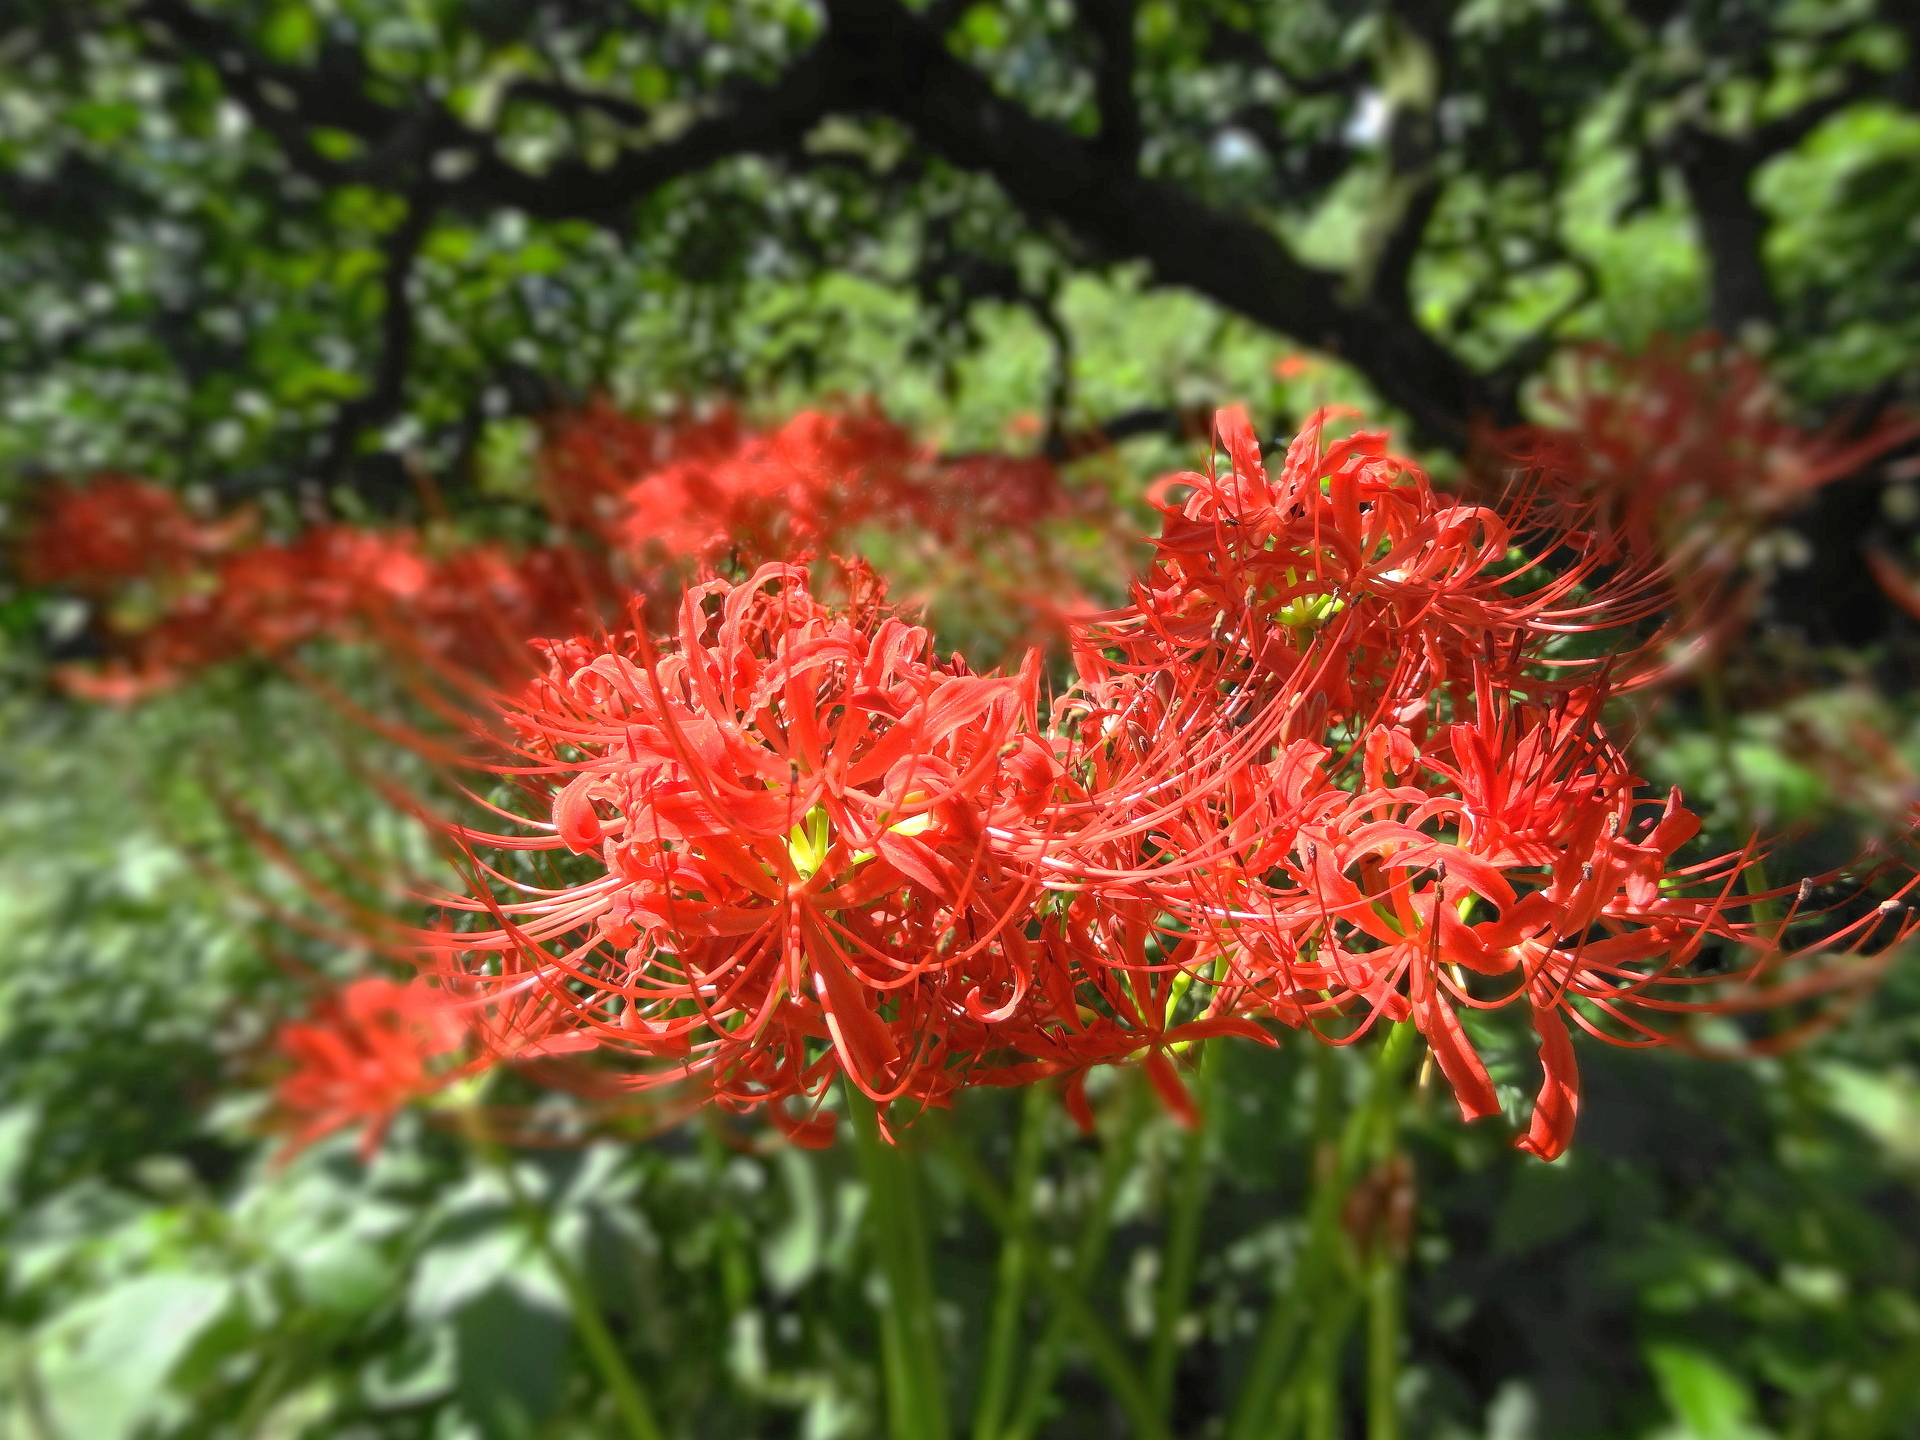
(1111, 24)
(1391, 284)
(754, 119)
(888, 60)
(878, 56)
(388, 392)
(1718, 172)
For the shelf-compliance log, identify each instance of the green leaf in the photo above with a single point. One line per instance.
(1885, 1104)
(509, 1366)
(1709, 1401)
(104, 1363)
(983, 28)
(454, 1274)
(290, 33)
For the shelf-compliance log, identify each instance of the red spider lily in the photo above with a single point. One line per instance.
(1682, 456)
(787, 814)
(1328, 800)
(1328, 767)
(367, 1052)
(649, 503)
(98, 537)
(689, 493)
(1345, 585)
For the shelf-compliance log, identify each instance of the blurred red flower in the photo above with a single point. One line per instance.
(363, 1055)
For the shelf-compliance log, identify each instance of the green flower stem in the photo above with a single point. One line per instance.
(909, 1330)
(1016, 1258)
(1116, 1367)
(1384, 1270)
(1116, 1162)
(629, 1400)
(1310, 1404)
(1183, 1235)
(1320, 1273)
(1383, 1345)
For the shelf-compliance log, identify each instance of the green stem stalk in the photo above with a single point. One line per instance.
(1115, 1163)
(1183, 1236)
(909, 1331)
(1383, 1347)
(1255, 1412)
(1310, 1403)
(629, 1400)
(1016, 1258)
(1116, 1367)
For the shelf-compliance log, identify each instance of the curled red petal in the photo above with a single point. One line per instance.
(1172, 1092)
(1558, 1103)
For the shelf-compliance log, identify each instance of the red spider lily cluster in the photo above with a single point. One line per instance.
(362, 1056)
(1684, 454)
(1342, 759)
(176, 595)
(644, 506)
(697, 492)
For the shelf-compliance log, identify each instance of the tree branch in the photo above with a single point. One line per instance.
(1718, 172)
(289, 101)
(388, 391)
(879, 56)
(889, 61)
(1111, 24)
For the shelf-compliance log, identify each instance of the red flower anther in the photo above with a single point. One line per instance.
(362, 1056)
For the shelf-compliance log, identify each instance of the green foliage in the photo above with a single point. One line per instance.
(195, 262)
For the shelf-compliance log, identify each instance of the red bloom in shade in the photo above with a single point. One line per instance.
(649, 505)
(365, 1053)
(1682, 456)
(113, 530)
(694, 492)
